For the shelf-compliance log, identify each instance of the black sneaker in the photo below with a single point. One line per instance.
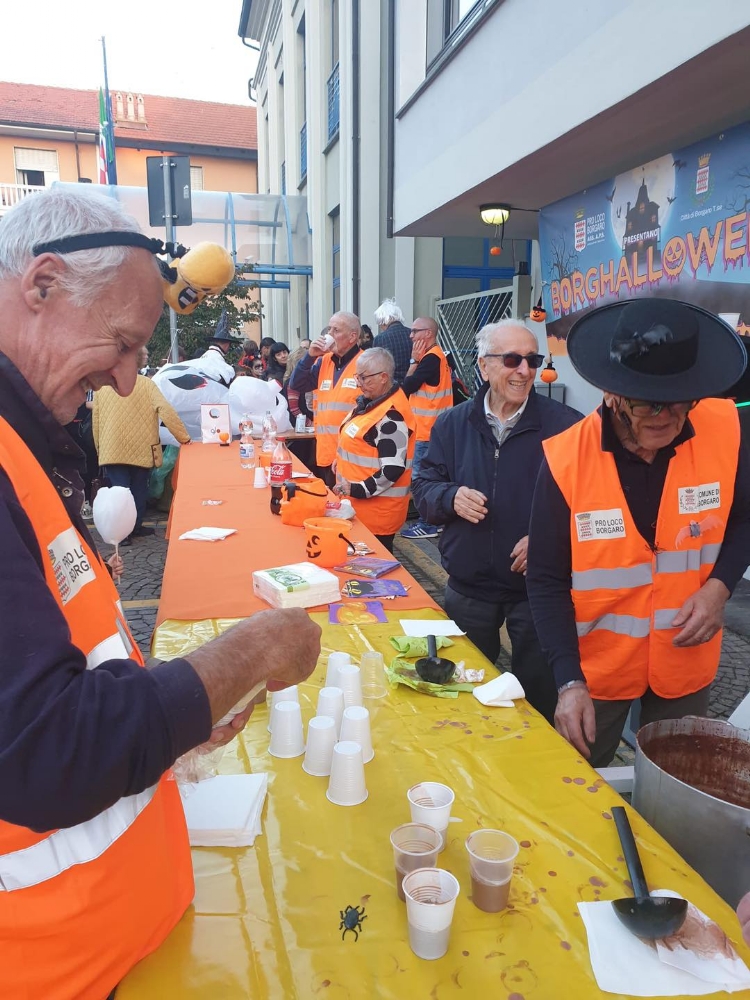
(142, 531)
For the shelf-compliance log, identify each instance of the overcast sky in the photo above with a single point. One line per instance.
(185, 49)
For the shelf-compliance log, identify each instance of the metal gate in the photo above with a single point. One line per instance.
(461, 318)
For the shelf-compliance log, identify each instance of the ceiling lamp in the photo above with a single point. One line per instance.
(494, 215)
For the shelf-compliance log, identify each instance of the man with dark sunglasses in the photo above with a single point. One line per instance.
(640, 528)
(477, 480)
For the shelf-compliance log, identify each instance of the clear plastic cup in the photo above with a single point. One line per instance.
(259, 478)
(355, 726)
(335, 660)
(372, 671)
(321, 738)
(491, 857)
(286, 694)
(415, 845)
(350, 682)
(287, 737)
(430, 803)
(431, 895)
(346, 786)
(331, 703)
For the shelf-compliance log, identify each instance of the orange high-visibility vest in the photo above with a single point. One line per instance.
(429, 401)
(332, 403)
(356, 460)
(626, 595)
(80, 906)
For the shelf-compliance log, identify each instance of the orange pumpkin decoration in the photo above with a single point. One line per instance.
(548, 373)
(538, 313)
(495, 251)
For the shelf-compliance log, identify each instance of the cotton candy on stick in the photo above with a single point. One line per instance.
(114, 514)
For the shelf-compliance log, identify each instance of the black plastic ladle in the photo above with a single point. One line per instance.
(644, 915)
(433, 668)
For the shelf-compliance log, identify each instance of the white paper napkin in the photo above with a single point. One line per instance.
(623, 963)
(225, 811)
(208, 534)
(500, 691)
(429, 626)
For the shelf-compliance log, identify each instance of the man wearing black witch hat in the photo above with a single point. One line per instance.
(213, 361)
(640, 527)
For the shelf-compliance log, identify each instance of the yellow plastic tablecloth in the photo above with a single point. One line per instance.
(265, 921)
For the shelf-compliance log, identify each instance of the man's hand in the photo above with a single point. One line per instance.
(221, 735)
(116, 564)
(519, 555)
(469, 504)
(273, 648)
(419, 348)
(318, 347)
(743, 914)
(701, 616)
(343, 487)
(574, 718)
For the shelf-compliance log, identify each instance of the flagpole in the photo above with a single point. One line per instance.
(111, 167)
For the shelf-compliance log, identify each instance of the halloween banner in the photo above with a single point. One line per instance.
(675, 227)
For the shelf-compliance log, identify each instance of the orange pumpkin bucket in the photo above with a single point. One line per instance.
(326, 540)
(302, 499)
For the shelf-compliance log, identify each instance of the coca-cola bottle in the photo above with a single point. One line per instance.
(281, 470)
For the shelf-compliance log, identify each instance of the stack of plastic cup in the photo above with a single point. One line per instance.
(321, 738)
(491, 857)
(331, 703)
(350, 682)
(260, 481)
(355, 726)
(287, 737)
(335, 660)
(414, 846)
(346, 786)
(287, 694)
(372, 669)
(430, 803)
(431, 895)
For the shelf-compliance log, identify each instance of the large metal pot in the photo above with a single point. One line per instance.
(692, 784)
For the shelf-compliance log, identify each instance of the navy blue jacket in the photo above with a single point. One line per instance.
(463, 452)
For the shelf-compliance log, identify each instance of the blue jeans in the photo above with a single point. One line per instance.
(135, 479)
(420, 453)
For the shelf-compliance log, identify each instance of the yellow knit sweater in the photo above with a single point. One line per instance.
(126, 428)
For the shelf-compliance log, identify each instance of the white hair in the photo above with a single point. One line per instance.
(485, 335)
(379, 356)
(388, 312)
(57, 213)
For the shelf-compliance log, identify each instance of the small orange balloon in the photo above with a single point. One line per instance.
(548, 375)
(223, 436)
(495, 251)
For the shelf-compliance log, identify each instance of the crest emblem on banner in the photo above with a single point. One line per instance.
(579, 231)
(701, 176)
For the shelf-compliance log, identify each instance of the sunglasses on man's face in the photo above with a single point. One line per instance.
(513, 360)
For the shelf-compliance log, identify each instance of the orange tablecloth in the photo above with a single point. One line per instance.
(214, 579)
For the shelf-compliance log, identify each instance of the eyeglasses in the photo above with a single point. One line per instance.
(363, 378)
(513, 360)
(640, 408)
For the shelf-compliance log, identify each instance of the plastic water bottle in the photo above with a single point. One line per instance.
(269, 434)
(248, 459)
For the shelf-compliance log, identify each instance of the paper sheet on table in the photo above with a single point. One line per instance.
(429, 626)
(225, 811)
(623, 963)
(208, 534)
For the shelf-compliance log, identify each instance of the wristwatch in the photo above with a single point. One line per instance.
(412, 361)
(570, 684)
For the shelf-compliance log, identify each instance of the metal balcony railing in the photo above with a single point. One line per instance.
(11, 194)
(303, 152)
(333, 103)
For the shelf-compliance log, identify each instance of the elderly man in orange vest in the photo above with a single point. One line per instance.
(330, 368)
(95, 866)
(376, 448)
(429, 388)
(640, 527)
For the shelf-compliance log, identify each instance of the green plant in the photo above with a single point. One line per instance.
(194, 331)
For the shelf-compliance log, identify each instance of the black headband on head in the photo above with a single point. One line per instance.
(111, 238)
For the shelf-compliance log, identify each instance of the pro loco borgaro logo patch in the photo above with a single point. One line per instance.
(594, 524)
(70, 564)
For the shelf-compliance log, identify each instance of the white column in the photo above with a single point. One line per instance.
(372, 157)
(317, 25)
